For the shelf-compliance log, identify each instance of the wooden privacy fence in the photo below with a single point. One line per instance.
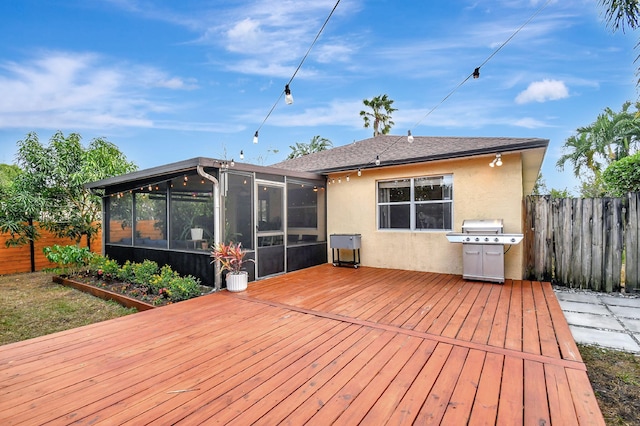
(30, 258)
(583, 242)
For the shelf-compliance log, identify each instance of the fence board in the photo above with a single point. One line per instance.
(587, 239)
(18, 259)
(586, 247)
(597, 245)
(632, 243)
(577, 231)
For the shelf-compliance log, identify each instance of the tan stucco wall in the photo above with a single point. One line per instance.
(479, 192)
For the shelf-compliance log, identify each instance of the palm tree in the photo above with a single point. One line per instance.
(614, 135)
(378, 117)
(316, 144)
(620, 14)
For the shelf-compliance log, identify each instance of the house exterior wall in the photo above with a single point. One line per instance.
(479, 192)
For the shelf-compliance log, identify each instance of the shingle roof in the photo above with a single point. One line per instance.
(395, 150)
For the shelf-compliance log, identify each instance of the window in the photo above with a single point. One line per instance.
(151, 216)
(305, 212)
(423, 203)
(120, 208)
(191, 213)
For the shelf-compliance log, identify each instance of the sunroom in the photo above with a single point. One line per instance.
(173, 214)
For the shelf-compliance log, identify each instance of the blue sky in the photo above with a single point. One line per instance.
(170, 80)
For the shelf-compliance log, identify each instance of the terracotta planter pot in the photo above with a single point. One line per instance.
(237, 282)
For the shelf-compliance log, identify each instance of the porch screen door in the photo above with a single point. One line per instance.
(270, 227)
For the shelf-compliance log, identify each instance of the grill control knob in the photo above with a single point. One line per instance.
(496, 239)
(477, 239)
(468, 239)
(513, 240)
(486, 239)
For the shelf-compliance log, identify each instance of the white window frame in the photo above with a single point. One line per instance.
(413, 203)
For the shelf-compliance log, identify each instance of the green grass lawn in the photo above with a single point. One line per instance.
(31, 305)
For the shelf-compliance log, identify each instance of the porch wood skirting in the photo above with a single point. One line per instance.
(323, 345)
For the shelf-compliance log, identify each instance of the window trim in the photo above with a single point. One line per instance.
(412, 203)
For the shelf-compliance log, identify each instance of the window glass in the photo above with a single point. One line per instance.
(151, 216)
(120, 214)
(191, 213)
(238, 211)
(433, 188)
(305, 212)
(395, 216)
(394, 191)
(423, 203)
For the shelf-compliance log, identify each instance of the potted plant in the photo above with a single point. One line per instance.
(231, 258)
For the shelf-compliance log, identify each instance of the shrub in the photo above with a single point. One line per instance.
(183, 288)
(103, 267)
(144, 272)
(163, 279)
(70, 259)
(126, 273)
(623, 176)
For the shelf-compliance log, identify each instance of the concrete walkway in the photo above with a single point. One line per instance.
(607, 320)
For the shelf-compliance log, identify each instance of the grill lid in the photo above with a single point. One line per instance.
(483, 226)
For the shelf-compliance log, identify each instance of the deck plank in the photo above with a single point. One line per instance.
(321, 345)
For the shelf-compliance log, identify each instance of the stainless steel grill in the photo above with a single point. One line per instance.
(483, 244)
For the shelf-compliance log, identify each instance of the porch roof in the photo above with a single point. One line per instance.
(167, 171)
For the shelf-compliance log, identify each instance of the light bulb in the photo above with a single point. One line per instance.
(359, 172)
(499, 162)
(241, 155)
(255, 137)
(288, 98)
(409, 137)
(348, 178)
(233, 163)
(491, 164)
(377, 160)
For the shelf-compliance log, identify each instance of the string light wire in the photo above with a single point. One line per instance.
(536, 13)
(299, 65)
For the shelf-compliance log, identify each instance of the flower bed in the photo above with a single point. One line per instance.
(144, 281)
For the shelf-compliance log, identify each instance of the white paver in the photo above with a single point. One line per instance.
(589, 308)
(593, 321)
(608, 339)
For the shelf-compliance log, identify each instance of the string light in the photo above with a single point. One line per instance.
(377, 160)
(475, 74)
(288, 98)
(409, 137)
(359, 172)
(241, 154)
(286, 87)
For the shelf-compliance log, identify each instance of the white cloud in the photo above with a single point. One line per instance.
(542, 91)
(81, 90)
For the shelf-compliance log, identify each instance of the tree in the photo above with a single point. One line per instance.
(8, 174)
(540, 188)
(316, 144)
(51, 187)
(614, 135)
(378, 118)
(623, 176)
(620, 14)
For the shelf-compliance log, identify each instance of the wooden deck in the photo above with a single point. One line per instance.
(320, 346)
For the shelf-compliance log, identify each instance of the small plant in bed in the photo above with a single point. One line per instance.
(145, 281)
